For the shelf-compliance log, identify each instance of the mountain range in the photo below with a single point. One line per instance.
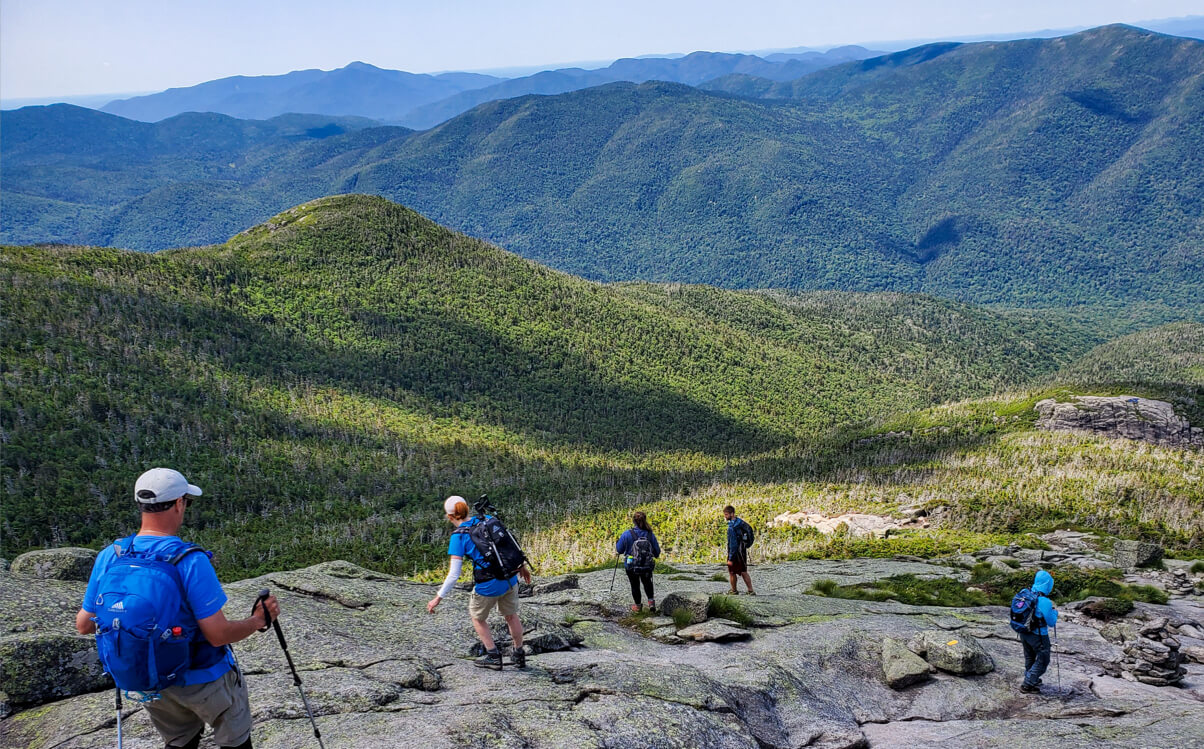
(421, 101)
(1038, 173)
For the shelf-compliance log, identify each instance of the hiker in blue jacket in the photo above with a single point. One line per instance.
(739, 536)
(1036, 643)
(640, 550)
(211, 691)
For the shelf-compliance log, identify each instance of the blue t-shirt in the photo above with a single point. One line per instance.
(461, 545)
(203, 594)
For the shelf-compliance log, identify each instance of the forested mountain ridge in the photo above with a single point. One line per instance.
(357, 89)
(421, 100)
(349, 362)
(1041, 173)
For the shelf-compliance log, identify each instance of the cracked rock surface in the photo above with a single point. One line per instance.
(381, 672)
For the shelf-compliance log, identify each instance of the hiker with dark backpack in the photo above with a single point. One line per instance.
(497, 564)
(739, 537)
(1032, 614)
(640, 550)
(155, 604)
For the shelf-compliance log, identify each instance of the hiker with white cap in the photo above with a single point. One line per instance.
(155, 604)
(493, 587)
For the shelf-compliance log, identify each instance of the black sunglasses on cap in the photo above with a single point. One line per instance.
(149, 496)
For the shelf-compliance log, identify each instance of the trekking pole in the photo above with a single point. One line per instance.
(614, 574)
(263, 597)
(118, 717)
(1057, 658)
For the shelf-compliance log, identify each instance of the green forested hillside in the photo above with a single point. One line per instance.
(328, 376)
(1038, 173)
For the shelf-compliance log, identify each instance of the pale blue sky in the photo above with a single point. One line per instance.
(72, 47)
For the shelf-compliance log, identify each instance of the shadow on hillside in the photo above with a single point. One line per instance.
(448, 368)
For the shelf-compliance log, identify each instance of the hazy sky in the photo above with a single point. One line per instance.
(69, 47)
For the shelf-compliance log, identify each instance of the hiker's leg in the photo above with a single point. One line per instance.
(1030, 654)
(747, 581)
(516, 629)
(633, 579)
(478, 611)
(484, 633)
(191, 744)
(507, 606)
(646, 578)
(1041, 662)
(176, 723)
(731, 576)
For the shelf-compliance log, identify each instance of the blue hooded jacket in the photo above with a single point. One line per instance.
(1043, 583)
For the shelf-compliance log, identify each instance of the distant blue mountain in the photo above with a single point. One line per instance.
(692, 69)
(423, 101)
(358, 89)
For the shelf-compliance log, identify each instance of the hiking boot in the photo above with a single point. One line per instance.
(733, 592)
(651, 605)
(635, 608)
(1030, 689)
(519, 657)
(492, 660)
(752, 592)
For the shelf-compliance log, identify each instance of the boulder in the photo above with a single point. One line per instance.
(1122, 416)
(1127, 554)
(714, 630)
(68, 563)
(39, 667)
(901, 667)
(694, 602)
(955, 653)
(539, 636)
(553, 585)
(666, 634)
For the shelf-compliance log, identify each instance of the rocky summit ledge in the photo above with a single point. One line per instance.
(381, 672)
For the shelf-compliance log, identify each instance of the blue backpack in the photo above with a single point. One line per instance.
(1024, 611)
(140, 638)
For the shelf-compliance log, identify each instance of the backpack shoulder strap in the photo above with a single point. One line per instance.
(129, 544)
(177, 558)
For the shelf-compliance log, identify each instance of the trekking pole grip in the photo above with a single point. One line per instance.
(262, 601)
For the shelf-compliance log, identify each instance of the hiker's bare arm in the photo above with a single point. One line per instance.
(219, 630)
(83, 623)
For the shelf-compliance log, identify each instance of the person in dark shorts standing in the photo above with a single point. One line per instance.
(739, 538)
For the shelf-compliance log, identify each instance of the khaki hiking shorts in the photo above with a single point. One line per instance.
(480, 606)
(222, 703)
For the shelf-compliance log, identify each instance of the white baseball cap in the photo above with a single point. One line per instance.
(449, 506)
(163, 485)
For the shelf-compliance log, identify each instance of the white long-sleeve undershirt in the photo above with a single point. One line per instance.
(453, 574)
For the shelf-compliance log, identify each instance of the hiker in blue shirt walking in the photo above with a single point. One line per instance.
(739, 538)
(640, 550)
(1035, 637)
(210, 691)
(487, 593)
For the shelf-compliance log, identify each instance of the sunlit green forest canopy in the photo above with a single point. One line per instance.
(328, 376)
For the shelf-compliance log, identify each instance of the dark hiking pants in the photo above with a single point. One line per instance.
(1036, 656)
(635, 578)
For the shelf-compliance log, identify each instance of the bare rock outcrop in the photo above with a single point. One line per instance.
(380, 671)
(1124, 416)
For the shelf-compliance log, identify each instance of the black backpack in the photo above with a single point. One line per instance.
(502, 556)
(745, 532)
(641, 553)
